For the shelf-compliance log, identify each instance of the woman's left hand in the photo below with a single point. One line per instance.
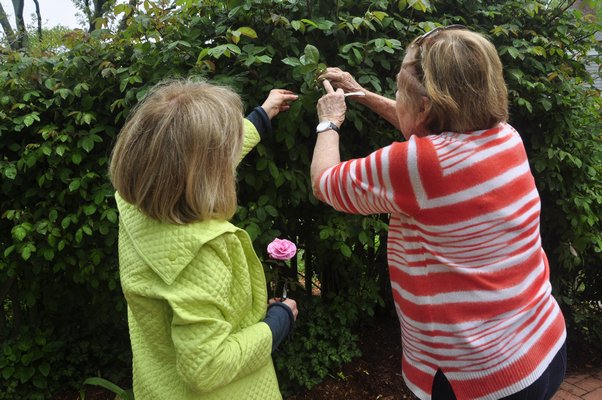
(278, 100)
(331, 106)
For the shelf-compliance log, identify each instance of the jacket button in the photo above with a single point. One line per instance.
(172, 256)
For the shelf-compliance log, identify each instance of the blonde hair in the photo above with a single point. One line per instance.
(462, 75)
(175, 157)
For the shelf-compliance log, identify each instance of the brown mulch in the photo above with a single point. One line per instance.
(375, 375)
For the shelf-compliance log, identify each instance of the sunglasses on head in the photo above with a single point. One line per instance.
(421, 39)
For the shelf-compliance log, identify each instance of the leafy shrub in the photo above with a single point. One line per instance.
(59, 115)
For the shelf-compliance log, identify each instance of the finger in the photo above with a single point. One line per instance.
(282, 91)
(329, 73)
(289, 97)
(327, 86)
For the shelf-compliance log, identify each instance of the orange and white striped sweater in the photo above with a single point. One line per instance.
(469, 276)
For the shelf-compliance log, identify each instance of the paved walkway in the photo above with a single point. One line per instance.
(581, 386)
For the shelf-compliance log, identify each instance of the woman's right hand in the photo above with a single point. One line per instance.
(292, 304)
(341, 80)
(331, 106)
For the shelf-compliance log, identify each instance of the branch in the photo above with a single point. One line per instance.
(126, 18)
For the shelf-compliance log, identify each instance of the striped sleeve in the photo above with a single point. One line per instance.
(378, 183)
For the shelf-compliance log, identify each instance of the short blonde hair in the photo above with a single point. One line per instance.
(462, 75)
(175, 158)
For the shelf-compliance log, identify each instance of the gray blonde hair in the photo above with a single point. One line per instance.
(175, 157)
(462, 75)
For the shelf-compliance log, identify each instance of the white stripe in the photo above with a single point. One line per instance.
(478, 190)
(475, 267)
(478, 155)
(472, 328)
(471, 296)
(475, 225)
(528, 380)
(422, 395)
(494, 346)
(413, 172)
(465, 146)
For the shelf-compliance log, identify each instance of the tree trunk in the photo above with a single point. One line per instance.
(39, 15)
(8, 30)
(18, 6)
(98, 12)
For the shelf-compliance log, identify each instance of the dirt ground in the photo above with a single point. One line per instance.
(376, 375)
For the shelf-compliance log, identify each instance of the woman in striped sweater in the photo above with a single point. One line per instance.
(469, 276)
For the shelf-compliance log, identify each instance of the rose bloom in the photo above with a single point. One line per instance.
(282, 249)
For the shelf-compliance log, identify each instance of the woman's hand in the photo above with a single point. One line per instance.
(292, 304)
(340, 79)
(331, 106)
(278, 100)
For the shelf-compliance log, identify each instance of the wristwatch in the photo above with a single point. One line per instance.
(327, 125)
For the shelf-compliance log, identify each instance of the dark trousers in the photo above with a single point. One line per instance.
(542, 389)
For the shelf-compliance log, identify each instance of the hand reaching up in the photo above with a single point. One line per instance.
(278, 100)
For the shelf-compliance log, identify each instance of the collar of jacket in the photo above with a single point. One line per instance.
(167, 248)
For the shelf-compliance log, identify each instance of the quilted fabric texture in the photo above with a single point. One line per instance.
(196, 297)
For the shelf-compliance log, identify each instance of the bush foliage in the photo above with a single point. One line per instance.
(63, 315)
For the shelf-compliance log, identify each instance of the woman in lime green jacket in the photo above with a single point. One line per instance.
(200, 325)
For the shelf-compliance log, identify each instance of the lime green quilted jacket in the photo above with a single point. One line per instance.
(196, 297)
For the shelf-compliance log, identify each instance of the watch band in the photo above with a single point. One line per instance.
(327, 125)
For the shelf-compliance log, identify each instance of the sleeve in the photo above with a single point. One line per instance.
(250, 139)
(209, 354)
(260, 119)
(379, 183)
(281, 321)
(256, 124)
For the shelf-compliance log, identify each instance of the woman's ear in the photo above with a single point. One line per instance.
(425, 105)
(422, 116)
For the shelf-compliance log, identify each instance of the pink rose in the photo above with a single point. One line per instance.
(282, 249)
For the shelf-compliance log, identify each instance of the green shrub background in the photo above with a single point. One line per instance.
(63, 315)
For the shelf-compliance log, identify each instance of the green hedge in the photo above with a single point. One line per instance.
(63, 315)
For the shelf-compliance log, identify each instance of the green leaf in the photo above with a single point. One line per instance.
(380, 15)
(298, 26)
(515, 53)
(8, 372)
(292, 61)
(309, 22)
(312, 55)
(87, 143)
(248, 32)
(109, 386)
(273, 170)
(345, 250)
(19, 233)
(10, 172)
(74, 185)
(76, 158)
(26, 253)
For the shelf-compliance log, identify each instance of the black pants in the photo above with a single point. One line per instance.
(542, 389)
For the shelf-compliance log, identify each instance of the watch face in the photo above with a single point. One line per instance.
(322, 126)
